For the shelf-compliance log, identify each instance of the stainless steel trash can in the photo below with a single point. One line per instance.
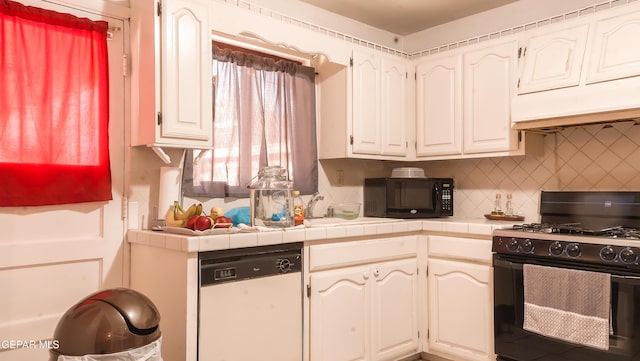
(112, 321)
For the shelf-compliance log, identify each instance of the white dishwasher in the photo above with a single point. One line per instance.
(250, 304)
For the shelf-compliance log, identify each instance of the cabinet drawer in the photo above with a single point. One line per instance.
(460, 248)
(332, 255)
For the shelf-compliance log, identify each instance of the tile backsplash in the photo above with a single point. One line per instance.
(595, 157)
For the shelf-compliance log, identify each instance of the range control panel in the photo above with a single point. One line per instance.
(611, 255)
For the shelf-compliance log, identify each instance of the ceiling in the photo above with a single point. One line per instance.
(403, 17)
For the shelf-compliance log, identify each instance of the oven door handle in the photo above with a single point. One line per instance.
(626, 279)
(499, 263)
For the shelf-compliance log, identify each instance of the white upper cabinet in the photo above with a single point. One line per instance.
(367, 118)
(439, 106)
(584, 70)
(363, 107)
(394, 106)
(379, 104)
(186, 77)
(615, 52)
(490, 75)
(553, 60)
(463, 104)
(172, 87)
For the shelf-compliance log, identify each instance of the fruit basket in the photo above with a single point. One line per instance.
(208, 232)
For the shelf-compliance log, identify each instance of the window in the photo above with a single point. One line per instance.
(53, 109)
(264, 116)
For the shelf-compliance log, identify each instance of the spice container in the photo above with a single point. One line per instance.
(497, 206)
(271, 198)
(508, 206)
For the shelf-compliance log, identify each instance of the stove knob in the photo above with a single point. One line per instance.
(512, 245)
(627, 255)
(608, 253)
(556, 248)
(573, 249)
(527, 246)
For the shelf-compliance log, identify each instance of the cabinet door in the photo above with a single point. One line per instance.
(340, 314)
(615, 53)
(489, 82)
(460, 309)
(186, 71)
(367, 119)
(393, 106)
(553, 60)
(395, 309)
(439, 107)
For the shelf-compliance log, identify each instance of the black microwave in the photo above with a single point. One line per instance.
(408, 197)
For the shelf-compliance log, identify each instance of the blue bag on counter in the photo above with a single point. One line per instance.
(239, 215)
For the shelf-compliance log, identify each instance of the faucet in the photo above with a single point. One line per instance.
(312, 203)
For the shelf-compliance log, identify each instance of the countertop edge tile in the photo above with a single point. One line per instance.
(294, 235)
(315, 233)
(194, 244)
(267, 238)
(240, 240)
(336, 232)
(213, 243)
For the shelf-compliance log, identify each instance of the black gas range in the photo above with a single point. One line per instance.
(583, 227)
(597, 232)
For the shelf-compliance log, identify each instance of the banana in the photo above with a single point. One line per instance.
(198, 210)
(184, 215)
(170, 218)
(176, 209)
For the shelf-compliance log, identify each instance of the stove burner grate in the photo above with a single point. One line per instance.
(579, 229)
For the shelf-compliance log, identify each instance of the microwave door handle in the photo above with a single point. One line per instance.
(436, 197)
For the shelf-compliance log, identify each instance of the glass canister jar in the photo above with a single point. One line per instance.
(272, 198)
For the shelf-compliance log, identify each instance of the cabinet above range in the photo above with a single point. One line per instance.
(583, 70)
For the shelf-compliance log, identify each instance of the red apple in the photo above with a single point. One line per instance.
(191, 223)
(223, 222)
(202, 223)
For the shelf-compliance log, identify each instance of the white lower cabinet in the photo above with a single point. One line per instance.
(368, 311)
(460, 298)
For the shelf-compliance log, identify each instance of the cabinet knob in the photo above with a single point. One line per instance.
(376, 272)
(365, 275)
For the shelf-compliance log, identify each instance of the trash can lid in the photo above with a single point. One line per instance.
(106, 322)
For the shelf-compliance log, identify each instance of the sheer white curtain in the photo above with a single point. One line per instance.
(264, 115)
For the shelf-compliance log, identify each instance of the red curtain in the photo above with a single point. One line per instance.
(54, 108)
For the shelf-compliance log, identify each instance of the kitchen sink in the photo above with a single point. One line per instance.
(329, 222)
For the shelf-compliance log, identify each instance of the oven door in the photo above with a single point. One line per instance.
(513, 343)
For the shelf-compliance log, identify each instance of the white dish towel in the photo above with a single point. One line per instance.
(570, 305)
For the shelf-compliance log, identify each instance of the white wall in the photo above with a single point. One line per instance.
(505, 17)
(321, 17)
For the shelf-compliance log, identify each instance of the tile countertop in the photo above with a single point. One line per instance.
(343, 230)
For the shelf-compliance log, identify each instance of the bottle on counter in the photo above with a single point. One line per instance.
(497, 206)
(298, 209)
(508, 208)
